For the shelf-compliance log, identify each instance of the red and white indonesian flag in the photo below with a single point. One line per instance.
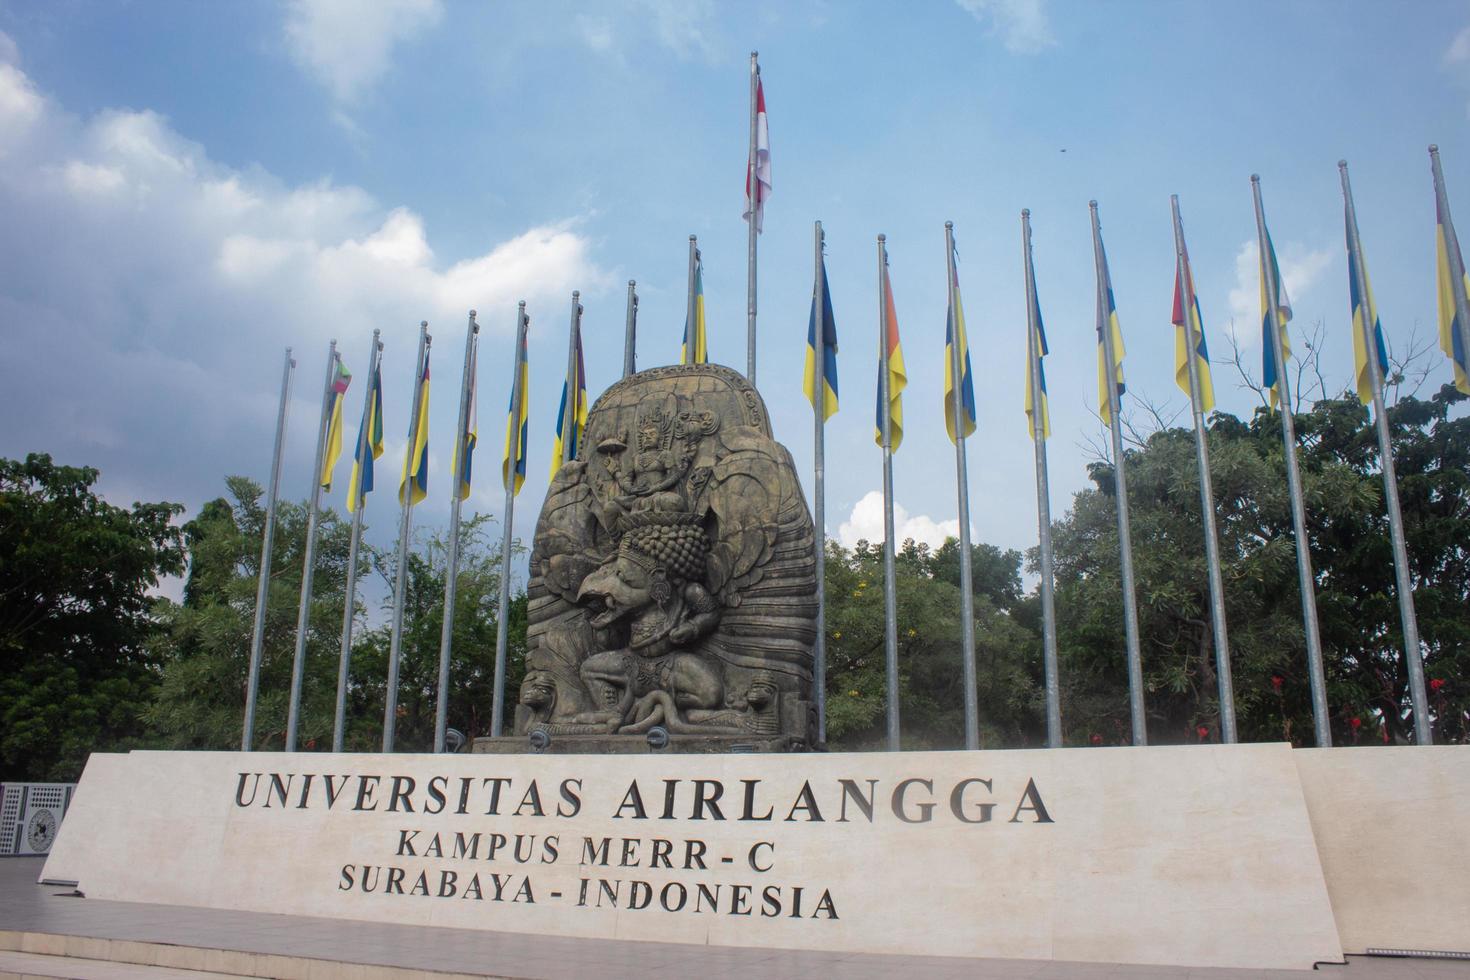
(761, 162)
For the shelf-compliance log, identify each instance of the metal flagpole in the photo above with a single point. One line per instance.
(1305, 577)
(502, 627)
(1413, 657)
(1043, 500)
(630, 335)
(308, 569)
(1452, 246)
(962, 482)
(1206, 486)
(451, 566)
(819, 432)
(754, 189)
(890, 600)
(364, 446)
(569, 416)
(400, 583)
(262, 588)
(691, 329)
(1125, 541)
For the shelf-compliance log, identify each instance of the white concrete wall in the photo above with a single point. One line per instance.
(1194, 855)
(1393, 832)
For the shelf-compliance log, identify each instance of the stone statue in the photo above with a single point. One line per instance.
(672, 576)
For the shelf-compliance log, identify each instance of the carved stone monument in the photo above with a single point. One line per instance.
(672, 579)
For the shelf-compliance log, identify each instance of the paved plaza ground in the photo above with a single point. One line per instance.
(47, 931)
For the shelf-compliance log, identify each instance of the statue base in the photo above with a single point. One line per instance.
(634, 745)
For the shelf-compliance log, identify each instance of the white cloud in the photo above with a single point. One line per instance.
(348, 44)
(1300, 270)
(9, 53)
(20, 105)
(865, 523)
(1459, 49)
(683, 26)
(596, 32)
(153, 289)
(1023, 25)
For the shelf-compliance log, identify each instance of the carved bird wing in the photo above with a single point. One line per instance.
(743, 495)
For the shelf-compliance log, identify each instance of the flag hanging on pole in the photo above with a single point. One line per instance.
(1196, 331)
(1105, 408)
(1451, 331)
(471, 434)
(416, 464)
(1283, 305)
(1364, 311)
(701, 347)
(762, 162)
(822, 312)
(517, 430)
(569, 425)
(361, 483)
(954, 332)
(1041, 351)
(341, 378)
(890, 359)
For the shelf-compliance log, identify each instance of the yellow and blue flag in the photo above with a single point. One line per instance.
(1451, 331)
(1190, 332)
(1041, 351)
(1109, 321)
(954, 333)
(415, 479)
(571, 423)
(341, 378)
(471, 434)
(890, 359)
(517, 430)
(1365, 311)
(1269, 374)
(821, 324)
(370, 438)
(700, 352)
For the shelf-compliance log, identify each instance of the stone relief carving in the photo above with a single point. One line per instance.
(672, 575)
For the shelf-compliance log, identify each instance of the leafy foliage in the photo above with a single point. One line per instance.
(75, 668)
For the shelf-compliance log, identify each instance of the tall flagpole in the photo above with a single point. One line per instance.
(691, 328)
(1043, 499)
(1456, 258)
(630, 333)
(502, 627)
(1206, 486)
(890, 601)
(262, 588)
(364, 446)
(308, 565)
(1413, 658)
(451, 565)
(1305, 577)
(754, 186)
(962, 483)
(819, 433)
(400, 582)
(1125, 541)
(569, 416)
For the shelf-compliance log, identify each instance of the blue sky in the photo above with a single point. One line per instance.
(186, 188)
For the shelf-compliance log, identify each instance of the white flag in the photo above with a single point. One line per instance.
(761, 163)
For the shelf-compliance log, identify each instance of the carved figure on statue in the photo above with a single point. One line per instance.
(672, 572)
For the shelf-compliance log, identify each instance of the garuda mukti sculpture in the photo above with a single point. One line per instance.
(672, 575)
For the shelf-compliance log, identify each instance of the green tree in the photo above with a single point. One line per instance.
(75, 616)
(205, 647)
(1367, 680)
(472, 657)
(929, 648)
